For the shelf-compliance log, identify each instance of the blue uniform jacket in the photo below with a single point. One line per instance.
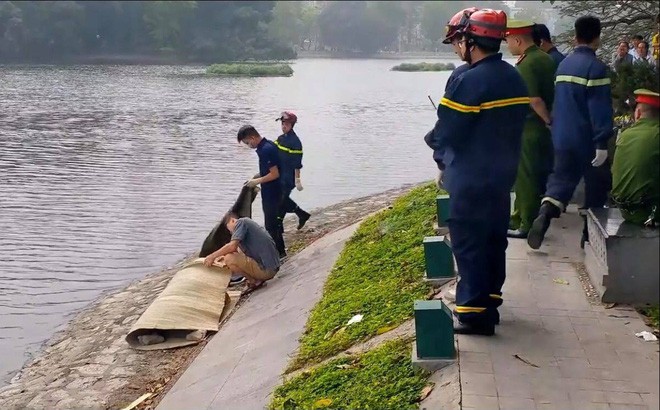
(582, 110)
(479, 127)
(290, 152)
(439, 152)
(268, 157)
(556, 55)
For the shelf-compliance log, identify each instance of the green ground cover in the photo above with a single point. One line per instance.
(382, 378)
(378, 275)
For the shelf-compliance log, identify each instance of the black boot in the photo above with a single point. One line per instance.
(541, 224)
(516, 234)
(481, 329)
(302, 218)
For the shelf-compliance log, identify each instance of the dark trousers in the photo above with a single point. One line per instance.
(288, 206)
(478, 224)
(569, 168)
(272, 221)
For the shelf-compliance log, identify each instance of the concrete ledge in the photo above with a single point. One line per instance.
(622, 259)
(432, 364)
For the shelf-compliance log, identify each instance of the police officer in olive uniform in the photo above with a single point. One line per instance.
(636, 167)
(537, 68)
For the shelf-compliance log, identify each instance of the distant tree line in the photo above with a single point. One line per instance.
(216, 31)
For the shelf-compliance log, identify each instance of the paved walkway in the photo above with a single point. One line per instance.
(553, 349)
(243, 362)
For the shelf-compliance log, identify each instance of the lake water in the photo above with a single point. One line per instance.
(109, 173)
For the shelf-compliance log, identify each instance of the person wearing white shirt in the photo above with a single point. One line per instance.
(635, 41)
(643, 55)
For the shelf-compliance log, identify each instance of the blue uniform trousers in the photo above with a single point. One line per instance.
(569, 168)
(478, 224)
(272, 221)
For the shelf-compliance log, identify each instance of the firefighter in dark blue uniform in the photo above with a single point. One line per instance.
(269, 175)
(450, 32)
(479, 132)
(581, 127)
(291, 154)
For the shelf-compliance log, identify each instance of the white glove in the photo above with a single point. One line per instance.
(438, 180)
(599, 159)
(299, 186)
(252, 183)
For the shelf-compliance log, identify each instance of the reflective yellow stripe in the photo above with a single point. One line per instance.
(469, 309)
(483, 106)
(582, 81)
(495, 296)
(289, 150)
(458, 106)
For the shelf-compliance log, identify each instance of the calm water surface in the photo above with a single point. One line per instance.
(109, 173)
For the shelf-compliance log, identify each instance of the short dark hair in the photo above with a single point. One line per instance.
(587, 29)
(228, 216)
(247, 131)
(541, 32)
(638, 37)
(646, 43)
(624, 42)
(488, 45)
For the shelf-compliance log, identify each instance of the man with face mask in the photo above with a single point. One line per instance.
(291, 153)
(635, 171)
(269, 174)
(538, 70)
(478, 138)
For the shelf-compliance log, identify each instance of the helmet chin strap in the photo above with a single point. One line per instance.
(467, 55)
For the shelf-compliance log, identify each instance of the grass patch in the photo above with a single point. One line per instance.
(651, 313)
(424, 67)
(382, 378)
(378, 274)
(251, 69)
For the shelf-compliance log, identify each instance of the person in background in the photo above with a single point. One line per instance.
(478, 136)
(621, 56)
(537, 68)
(291, 153)
(643, 55)
(582, 125)
(636, 167)
(542, 39)
(635, 41)
(250, 253)
(271, 189)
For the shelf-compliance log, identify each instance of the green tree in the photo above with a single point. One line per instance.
(619, 19)
(165, 20)
(435, 16)
(287, 25)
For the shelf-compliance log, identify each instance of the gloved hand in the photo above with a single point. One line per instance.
(252, 183)
(299, 186)
(599, 159)
(438, 179)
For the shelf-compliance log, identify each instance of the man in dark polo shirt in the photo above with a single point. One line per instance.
(269, 174)
(250, 253)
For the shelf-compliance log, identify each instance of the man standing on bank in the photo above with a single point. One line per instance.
(269, 174)
(581, 127)
(478, 132)
(538, 70)
(291, 153)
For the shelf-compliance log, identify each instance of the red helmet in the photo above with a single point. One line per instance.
(456, 24)
(486, 23)
(288, 116)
